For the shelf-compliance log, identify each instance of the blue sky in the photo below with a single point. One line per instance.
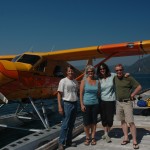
(45, 25)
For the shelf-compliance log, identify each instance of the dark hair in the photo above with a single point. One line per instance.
(69, 67)
(103, 65)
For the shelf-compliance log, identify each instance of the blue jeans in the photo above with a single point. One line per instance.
(69, 117)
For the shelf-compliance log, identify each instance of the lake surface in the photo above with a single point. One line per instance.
(143, 79)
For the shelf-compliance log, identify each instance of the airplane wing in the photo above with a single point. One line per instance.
(102, 51)
(92, 52)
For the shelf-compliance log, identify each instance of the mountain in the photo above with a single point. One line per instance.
(142, 66)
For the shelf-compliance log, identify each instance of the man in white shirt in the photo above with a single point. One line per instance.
(67, 107)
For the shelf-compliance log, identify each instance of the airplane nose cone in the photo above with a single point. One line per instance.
(8, 71)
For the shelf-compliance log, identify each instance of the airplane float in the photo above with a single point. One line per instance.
(35, 75)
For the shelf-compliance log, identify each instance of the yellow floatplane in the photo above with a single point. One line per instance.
(35, 75)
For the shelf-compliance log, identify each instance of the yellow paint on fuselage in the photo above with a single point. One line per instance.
(15, 65)
(22, 66)
(146, 46)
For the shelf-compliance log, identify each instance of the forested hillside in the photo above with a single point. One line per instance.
(142, 66)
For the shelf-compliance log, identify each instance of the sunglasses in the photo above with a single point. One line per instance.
(119, 70)
(91, 71)
(102, 68)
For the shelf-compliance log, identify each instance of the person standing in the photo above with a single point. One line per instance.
(89, 89)
(67, 106)
(126, 89)
(107, 99)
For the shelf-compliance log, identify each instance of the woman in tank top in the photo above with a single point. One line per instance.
(89, 90)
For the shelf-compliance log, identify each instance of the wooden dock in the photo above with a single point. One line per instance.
(143, 137)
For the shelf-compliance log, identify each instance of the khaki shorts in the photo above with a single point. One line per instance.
(124, 111)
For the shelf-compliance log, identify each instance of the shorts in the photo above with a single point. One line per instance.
(124, 111)
(90, 115)
(107, 112)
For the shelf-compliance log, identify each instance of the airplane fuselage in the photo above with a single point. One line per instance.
(20, 80)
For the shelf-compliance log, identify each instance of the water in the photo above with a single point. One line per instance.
(143, 79)
(54, 117)
(9, 135)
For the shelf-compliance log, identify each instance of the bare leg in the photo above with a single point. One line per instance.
(108, 129)
(133, 132)
(93, 130)
(105, 130)
(87, 131)
(125, 130)
(106, 136)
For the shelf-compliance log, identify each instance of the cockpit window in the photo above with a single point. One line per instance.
(41, 66)
(29, 59)
(15, 59)
(58, 72)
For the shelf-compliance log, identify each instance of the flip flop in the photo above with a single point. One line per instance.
(125, 142)
(87, 142)
(93, 142)
(135, 146)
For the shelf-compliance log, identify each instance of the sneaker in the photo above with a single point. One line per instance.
(108, 139)
(72, 144)
(104, 137)
(60, 147)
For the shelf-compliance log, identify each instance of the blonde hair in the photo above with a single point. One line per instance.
(89, 67)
